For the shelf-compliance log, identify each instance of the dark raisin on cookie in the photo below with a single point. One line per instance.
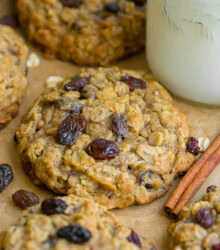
(216, 247)
(79, 120)
(211, 188)
(6, 176)
(112, 7)
(72, 3)
(193, 146)
(102, 149)
(10, 21)
(77, 83)
(24, 199)
(147, 178)
(75, 233)
(204, 217)
(53, 206)
(119, 126)
(134, 238)
(69, 129)
(133, 82)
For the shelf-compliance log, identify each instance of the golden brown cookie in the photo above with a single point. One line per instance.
(13, 70)
(199, 224)
(86, 32)
(70, 223)
(108, 133)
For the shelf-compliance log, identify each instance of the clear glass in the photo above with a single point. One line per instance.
(183, 47)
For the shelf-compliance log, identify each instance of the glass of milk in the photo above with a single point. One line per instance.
(183, 47)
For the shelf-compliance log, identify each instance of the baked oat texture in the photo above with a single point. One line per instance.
(192, 234)
(151, 152)
(13, 82)
(87, 34)
(38, 231)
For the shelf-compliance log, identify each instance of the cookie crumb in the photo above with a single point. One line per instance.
(52, 81)
(33, 60)
(204, 142)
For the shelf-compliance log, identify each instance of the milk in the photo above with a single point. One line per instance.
(183, 47)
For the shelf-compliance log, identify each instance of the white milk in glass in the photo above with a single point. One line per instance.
(183, 47)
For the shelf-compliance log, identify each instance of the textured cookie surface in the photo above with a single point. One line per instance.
(87, 32)
(13, 82)
(70, 223)
(199, 224)
(107, 133)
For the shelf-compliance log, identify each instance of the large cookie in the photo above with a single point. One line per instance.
(70, 223)
(13, 82)
(108, 133)
(87, 32)
(199, 224)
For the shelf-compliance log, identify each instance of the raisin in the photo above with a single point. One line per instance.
(216, 247)
(10, 21)
(81, 120)
(102, 149)
(119, 126)
(204, 217)
(134, 83)
(74, 233)
(72, 3)
(139, 2)
(193, 146)
(142, 176)
(24, 199)
(77, 83)
(211, 188)
(134, 238)
(112, 7)
(147, 179)
(6, 176)
(53, 206)
(68, 131)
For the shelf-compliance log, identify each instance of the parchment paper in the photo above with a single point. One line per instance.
(148, 220)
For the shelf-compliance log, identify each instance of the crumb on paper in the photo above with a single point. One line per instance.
(204, 142)
(33, 60)
(52, 81)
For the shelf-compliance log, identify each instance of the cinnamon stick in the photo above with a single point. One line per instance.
(199, 179)
(189, 176)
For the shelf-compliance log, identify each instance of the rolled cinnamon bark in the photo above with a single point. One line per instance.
(197, 182)
(189, 176)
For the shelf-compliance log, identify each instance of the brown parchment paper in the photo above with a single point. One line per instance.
(148, 220)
